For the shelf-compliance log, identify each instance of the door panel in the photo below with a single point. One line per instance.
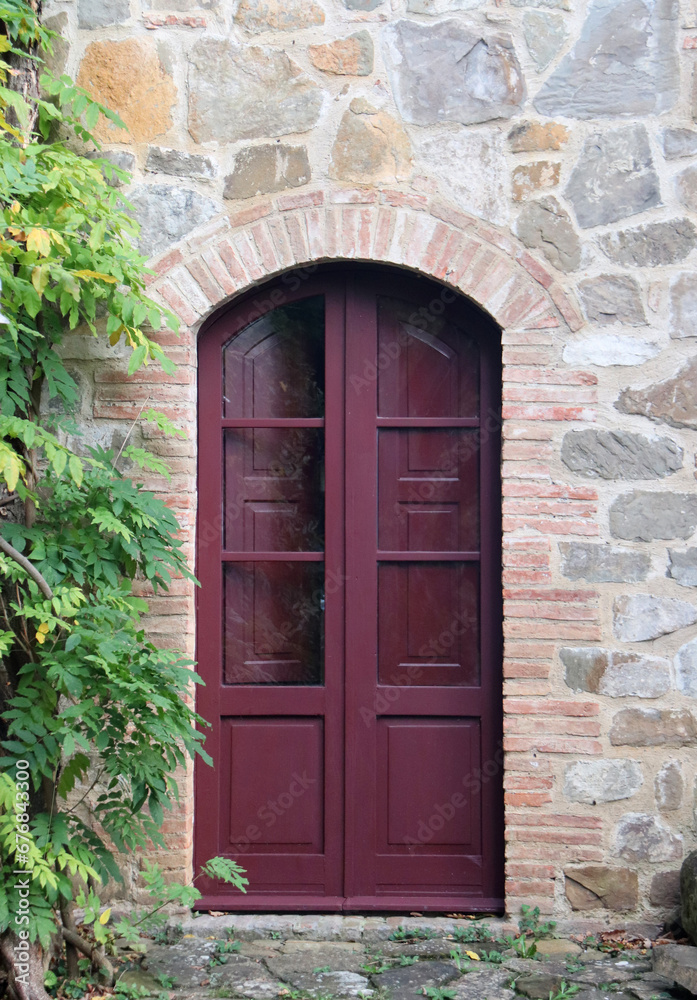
(349, 615)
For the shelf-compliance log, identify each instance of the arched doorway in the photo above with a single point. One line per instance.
(349, 618)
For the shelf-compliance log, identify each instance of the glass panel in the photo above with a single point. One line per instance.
(274, 489)
(428, 490)
(426, 366)
(275, 366)
(273, 623)
(428, 623)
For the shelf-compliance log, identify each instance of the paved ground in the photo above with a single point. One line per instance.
(215, 959)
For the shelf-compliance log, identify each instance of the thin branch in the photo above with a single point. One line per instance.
(130, 431)
(22, 561)
(93, 952)
(7, 500)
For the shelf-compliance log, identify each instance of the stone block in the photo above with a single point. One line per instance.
(370, 147)
(665, 889)
(130, 78)
(639, 617)
(615, 674)
(256, 16)
(537, 137)
(609, 349)
(598, 454)
(679, 142)
(267, 169)
(686, 669)
(640, 516)
(612, 298)
(688, 895)
(655, 244)
(614, 177)
(352, 56)
(594, 886)
(544, 225)
(102, 13)
(449, 72)
(669, 787)
(118, 158)
(594, 781)
(653, 727)
(631, 42)
(642, 837)
(532, 177)
(598, 563)
(544, 36)
(362, 4)
(179, 164)
(678, 962)
(682, 567)
(247, 92)
(482, 189)
(437, 7)
(168, 212)
(686, 188)
(57, 60)
(683, 306)
(673, 401)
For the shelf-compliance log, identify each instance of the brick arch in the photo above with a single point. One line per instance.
(541, 396)
(425, 235)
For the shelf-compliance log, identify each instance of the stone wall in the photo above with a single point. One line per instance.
(541, 156)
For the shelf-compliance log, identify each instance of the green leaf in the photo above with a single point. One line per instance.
(76, 469)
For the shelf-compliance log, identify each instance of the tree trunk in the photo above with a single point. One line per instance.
(24, 967)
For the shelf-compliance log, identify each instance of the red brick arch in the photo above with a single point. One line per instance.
(231, 255)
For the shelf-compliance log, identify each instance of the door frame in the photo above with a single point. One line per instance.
(300, 285)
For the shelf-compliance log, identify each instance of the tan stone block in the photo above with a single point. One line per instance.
(370, 147)
(600, 886)
(129, 77)
(352, 56)
(534, 137)
(278, 15)
(534, 177)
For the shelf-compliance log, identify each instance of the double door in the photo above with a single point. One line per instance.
(349, 615)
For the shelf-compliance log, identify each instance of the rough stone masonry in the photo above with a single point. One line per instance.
(542, 155)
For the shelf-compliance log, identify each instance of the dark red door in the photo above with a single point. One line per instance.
(349, 616)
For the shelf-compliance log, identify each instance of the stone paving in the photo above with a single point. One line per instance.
(212, 959)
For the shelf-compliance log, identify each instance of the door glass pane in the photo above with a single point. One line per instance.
(428, 623)
(426, 366)
(274, 489)
(428, 489)
(273, 630)
(275, 366)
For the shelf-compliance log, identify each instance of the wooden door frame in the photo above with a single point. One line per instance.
(260, 300)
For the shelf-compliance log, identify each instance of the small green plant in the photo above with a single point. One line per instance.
(493, 957)
(220, 992)
(275, 935)
(222, 952)
(165, 981)
(412, 933)
(565, 991)
(473, 932)
(521, 947)
(529, 923)
(322, 968)
(374, 966)
(572, 966)
(436, 993)
(408, 959)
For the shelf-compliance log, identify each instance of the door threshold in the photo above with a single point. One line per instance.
(367, 927)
